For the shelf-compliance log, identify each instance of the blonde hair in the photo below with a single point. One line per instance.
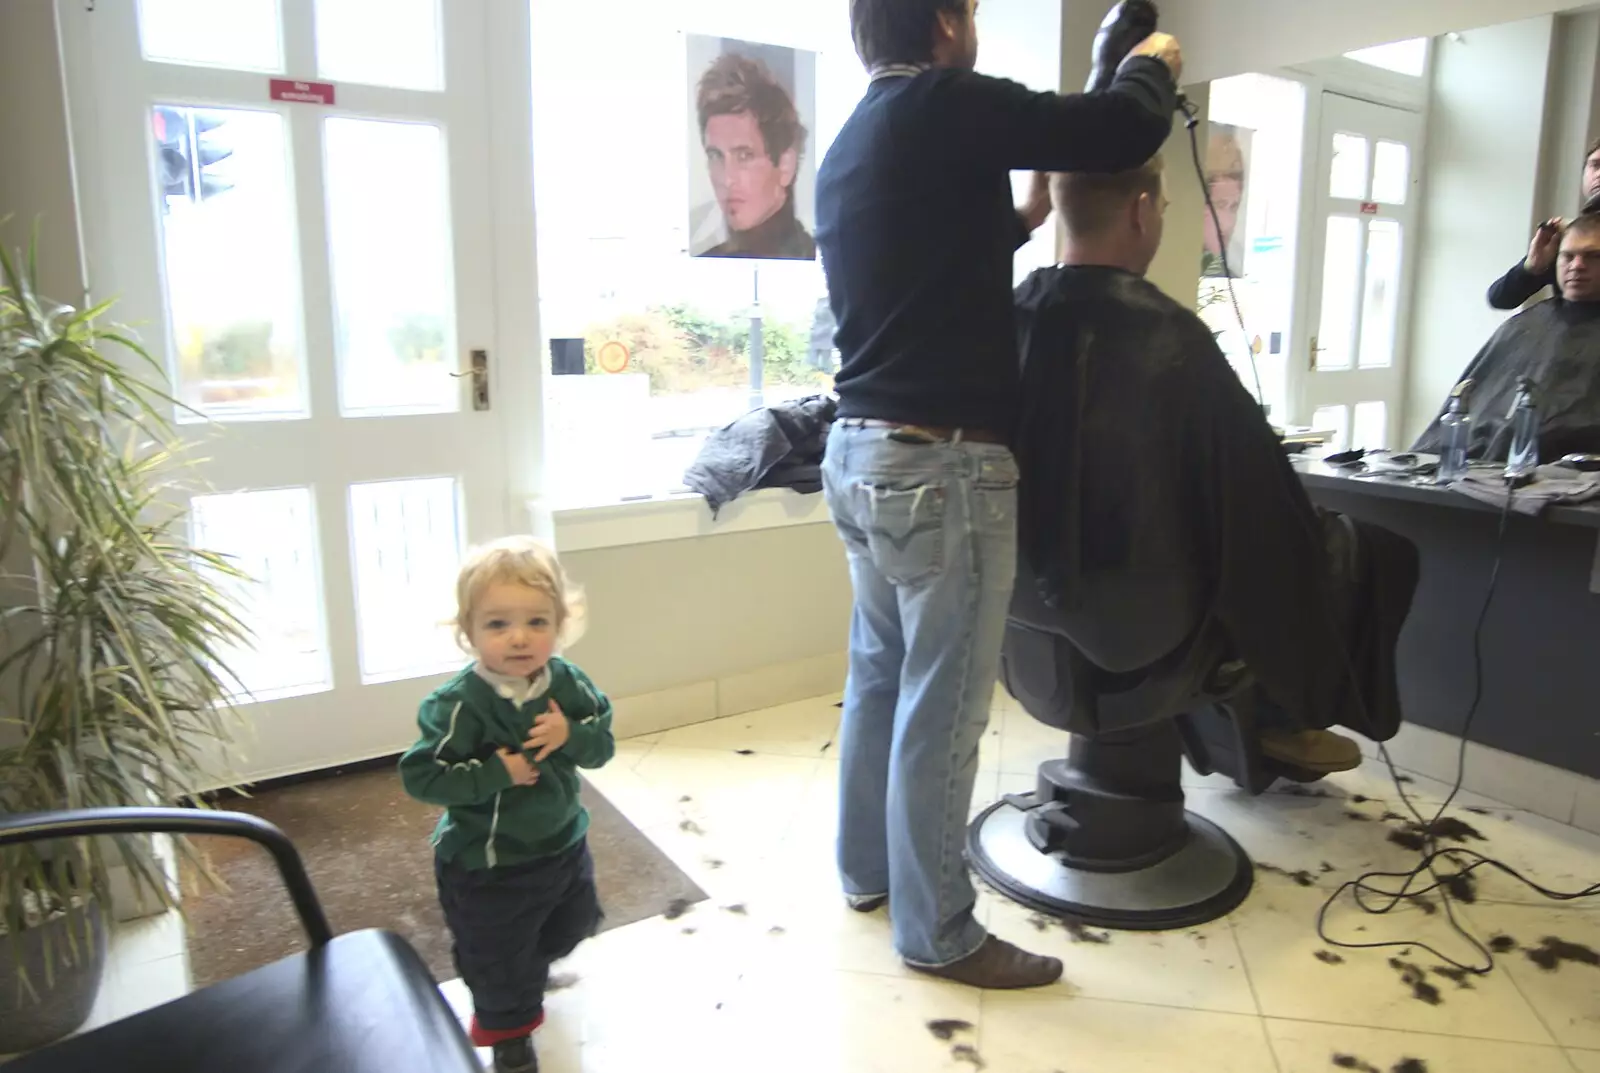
(520, 560)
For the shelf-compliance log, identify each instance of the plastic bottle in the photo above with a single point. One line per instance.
(1523, 458)
(1455, 429)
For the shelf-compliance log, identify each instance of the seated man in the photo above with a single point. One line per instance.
(1557, 344)
(1143, 457)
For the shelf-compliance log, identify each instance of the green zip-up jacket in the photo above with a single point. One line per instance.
(488, 821)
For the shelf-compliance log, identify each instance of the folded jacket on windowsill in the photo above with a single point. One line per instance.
(778, 446)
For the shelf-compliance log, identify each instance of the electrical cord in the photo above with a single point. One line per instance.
(1464, 861)
(1191, 122)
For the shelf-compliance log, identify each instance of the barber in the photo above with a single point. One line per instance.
(1538, 270)
(917, 233)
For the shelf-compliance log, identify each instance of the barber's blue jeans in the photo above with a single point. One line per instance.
(931, 534)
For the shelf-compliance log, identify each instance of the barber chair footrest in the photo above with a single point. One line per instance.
(1205, 879)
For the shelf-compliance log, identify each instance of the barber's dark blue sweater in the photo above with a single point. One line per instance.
(917, 230)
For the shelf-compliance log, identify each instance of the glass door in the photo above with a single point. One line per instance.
(292, 201)
(1363, 235)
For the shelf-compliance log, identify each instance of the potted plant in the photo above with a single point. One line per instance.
(112, 692)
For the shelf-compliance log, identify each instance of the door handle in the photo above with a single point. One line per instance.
(478, 369)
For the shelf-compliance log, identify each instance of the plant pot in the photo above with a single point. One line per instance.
(30, 1020)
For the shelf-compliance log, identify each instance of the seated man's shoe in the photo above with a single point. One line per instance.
(1314, 750)
(997, 966)
(515, 1056)
(866, 903)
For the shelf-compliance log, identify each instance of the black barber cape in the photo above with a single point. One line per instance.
(1143, 457)
(1557, 343)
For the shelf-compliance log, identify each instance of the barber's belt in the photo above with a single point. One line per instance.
(931, 433)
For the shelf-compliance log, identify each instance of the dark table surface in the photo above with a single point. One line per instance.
(1317, 475)
(1540, 690)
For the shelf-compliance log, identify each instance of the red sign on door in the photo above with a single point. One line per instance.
(287, 89)
(1368, 208)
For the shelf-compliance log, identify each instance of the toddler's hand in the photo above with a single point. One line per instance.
(550, 732)
(522, 773)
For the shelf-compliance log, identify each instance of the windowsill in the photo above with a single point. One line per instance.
(681, 516)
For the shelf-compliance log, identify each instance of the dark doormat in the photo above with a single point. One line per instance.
(365, 845)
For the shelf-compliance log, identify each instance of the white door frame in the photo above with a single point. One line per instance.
(1346, 78)
(1349, 386)
(486, 113)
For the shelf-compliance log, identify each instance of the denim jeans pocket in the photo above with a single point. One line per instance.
(997, 472)
(905, 530)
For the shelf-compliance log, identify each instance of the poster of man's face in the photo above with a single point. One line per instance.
(752, 182)
(1227, 178)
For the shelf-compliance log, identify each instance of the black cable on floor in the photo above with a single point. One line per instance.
(1465, 861)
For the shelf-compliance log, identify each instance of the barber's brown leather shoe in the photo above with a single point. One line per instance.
(1314, 750)
(998, 966)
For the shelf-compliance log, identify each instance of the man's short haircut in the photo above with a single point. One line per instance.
(736, 84)
(1089, 201)
(897, 31)
(1585, 226)
(1594, 147)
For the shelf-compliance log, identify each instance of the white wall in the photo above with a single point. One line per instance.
(1570, 113)
(689, 629)
(1229, 37)
(1481, 194)
(35, 162)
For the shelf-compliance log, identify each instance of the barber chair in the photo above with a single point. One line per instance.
(354, 1003)
(1141, 678)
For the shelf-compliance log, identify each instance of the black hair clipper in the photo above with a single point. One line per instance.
(1124, 27)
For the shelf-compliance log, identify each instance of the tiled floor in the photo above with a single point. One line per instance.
(774, 973)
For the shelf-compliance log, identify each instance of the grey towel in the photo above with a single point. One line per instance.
(1552, 485)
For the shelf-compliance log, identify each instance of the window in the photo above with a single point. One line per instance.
(1253, 165)
(405, 537)
(624, 210)
(232, 271)
(1402, 57)
(269, 537)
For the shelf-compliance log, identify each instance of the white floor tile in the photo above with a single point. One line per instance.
(1303, 1047)
(1026, 743)
(1585, 1061)
(801, 729)
(1337, 834)
(1199, 968)
(1565, 992)
(152, 983)
(1296, 976)
(803, 1022)
(149, 939)
(1032, 1033)
(1586, 816)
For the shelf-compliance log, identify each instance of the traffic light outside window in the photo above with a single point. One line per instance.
(191, 143)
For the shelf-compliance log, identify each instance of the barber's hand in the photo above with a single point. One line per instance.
(1163, 47)
(1037, 208)
(1546, 241)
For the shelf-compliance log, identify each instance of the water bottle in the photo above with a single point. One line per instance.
(1455, 429)
(1523, 458)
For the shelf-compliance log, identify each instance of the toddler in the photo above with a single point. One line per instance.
(500, 749)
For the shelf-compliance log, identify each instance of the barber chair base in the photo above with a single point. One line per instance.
(1206, 879)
